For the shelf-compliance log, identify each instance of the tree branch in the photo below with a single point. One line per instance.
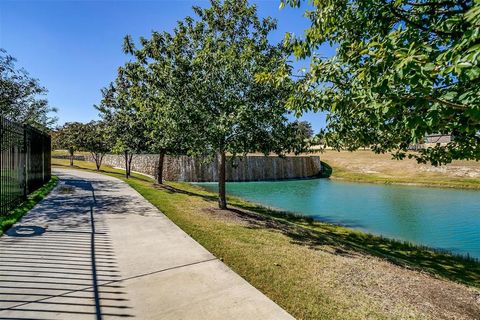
(433, 4)
(416, 24)
(451, 104)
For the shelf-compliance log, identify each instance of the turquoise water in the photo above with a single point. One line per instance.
(439, 218)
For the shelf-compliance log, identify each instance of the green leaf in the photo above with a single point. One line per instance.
(429, 66)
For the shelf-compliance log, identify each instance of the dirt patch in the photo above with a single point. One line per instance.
(405, 291)
(453, 170)
(226, 216)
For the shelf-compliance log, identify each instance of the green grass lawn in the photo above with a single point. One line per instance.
(6, 221)
(314, 270)
(65, 153)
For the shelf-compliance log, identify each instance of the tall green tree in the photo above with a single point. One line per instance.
(234, 113)
(125, 124)
(160, 81)
(68, 137)
(303, 129)
(296, 137)
(402, 69)
(96, 140)
(22, 98)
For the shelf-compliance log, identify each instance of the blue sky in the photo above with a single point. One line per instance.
(74, 47)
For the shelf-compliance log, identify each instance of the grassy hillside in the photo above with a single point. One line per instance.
(366, 166)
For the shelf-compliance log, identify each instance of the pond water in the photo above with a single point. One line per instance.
(439, 218)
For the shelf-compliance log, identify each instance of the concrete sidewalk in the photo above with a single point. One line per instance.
(96, 249)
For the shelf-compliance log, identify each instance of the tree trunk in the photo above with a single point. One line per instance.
(98, 160)
(159, 175)
(127, 169)
(222, 201)
(71, 156)
(97, 163)
(130, 164)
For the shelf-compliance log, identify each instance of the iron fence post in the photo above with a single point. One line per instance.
(2, 204)
(25, 163)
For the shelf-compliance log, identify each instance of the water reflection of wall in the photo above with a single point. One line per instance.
(249, 168)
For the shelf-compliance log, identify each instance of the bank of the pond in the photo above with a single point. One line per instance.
(317, 270)
(6, 221)
(446, 219)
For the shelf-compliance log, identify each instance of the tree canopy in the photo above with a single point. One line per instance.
(158, 83)
(126, 126)
(68, 137)
(95, 139)
(402, 69)
(22, 98)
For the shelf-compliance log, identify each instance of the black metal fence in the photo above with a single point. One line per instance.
(25, 162)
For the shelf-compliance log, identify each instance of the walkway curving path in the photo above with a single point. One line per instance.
(96, 249)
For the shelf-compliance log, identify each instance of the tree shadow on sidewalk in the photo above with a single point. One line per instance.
(60, 263)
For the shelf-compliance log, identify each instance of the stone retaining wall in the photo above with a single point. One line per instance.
(249, 168)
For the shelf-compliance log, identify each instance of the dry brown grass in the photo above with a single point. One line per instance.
(367, 166)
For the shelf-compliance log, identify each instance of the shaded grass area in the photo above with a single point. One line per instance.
(327, 170)
(286, 255)
(6, 221)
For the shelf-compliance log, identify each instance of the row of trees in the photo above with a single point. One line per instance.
(127, 134)
(91, 137)
(194, 91)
